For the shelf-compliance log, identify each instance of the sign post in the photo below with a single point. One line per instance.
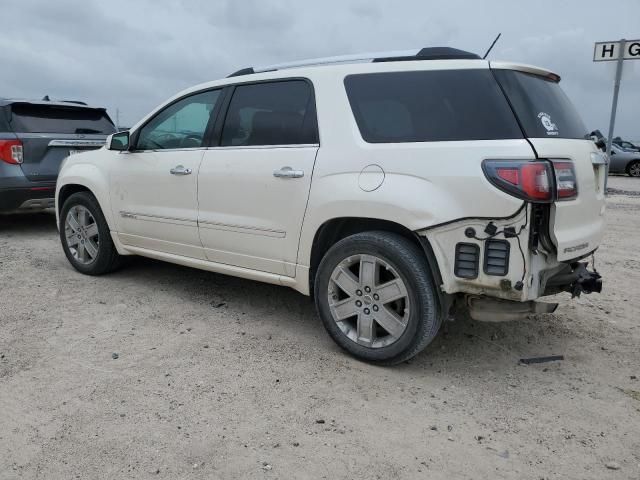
(614, 104)
(618, 51)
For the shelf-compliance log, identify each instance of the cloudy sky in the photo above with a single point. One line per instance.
(133, 54)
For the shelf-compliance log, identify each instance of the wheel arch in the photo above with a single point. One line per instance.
(86, 181)
(335, 229)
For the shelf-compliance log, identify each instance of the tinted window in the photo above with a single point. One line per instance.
(181, 125)
(430, 106)
(542, 107)
(28, 118)
(277, 113)
(4, 122)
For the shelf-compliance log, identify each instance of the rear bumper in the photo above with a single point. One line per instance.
(515, 267)
(37, 196)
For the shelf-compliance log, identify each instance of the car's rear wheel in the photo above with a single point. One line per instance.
(376, 298)
(85, 236)
(633, 169)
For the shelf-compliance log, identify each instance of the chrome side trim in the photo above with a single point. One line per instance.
(77, 143)
(263, 147)
(158, 218)
(242, 229)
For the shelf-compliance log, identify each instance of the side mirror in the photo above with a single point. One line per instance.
(118, 141)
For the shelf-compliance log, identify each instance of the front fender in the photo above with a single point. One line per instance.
(91, 177)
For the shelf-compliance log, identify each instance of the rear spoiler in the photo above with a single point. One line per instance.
(520, 67)
(69, 104)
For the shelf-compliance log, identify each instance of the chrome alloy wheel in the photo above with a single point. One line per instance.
(634, 169)
(81, 232)
(368, 301)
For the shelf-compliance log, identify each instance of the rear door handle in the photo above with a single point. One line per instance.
(180, 170)
(288, 172)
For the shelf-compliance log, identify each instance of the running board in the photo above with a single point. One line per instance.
(485, 309)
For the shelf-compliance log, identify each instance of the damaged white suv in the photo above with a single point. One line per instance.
(394, 188)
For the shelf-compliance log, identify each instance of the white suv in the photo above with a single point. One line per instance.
(394, 188)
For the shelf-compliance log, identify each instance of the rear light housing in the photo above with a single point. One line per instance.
(11, 151)
(536, 181)
(566, 183)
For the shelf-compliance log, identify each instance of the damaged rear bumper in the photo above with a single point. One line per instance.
(499, 268)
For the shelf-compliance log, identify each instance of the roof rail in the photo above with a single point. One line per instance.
(77, 102)
(431, 53)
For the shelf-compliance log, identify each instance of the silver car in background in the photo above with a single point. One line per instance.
(624, 161)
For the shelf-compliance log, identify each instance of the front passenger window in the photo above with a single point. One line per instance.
(180, 125)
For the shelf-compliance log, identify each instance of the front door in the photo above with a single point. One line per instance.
(253, 187)
(154, 186)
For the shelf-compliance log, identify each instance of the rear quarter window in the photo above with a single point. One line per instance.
(430, 106)
(541, 106)
(28, 118)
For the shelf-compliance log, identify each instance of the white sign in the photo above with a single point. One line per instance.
(607, 51)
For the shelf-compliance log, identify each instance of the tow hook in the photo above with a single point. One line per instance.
(579, 280)
(587, 282)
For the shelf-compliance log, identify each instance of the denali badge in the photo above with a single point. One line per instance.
(551, 127)
(582, 246)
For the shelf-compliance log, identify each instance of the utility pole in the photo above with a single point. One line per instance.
(614, 104)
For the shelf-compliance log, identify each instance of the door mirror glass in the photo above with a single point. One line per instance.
(118, 141)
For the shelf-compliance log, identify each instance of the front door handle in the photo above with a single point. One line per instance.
(180, 170)
(288, 172)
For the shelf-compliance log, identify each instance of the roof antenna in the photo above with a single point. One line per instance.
(491, 47)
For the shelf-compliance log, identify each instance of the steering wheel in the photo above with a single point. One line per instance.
(193, 138)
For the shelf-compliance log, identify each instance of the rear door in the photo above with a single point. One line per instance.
(556, 132)
(51, 132)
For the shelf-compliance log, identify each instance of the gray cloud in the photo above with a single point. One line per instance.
(133, 55)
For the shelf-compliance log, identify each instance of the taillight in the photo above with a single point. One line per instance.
(11, 151)
(528, 180)
(566, 183)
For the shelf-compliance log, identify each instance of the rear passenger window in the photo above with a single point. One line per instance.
(428, 106)
(274, 113)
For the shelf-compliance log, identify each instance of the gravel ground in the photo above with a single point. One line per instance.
(160, 371)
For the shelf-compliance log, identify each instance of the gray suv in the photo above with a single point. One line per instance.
(35, 137)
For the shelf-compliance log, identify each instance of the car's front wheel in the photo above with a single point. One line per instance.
(376, 298)
(85, 236)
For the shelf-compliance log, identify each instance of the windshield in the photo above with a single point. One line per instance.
(543, 109)
(27, 118)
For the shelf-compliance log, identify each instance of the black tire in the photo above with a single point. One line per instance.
(107, 259)
(407, 259)
(633, 169)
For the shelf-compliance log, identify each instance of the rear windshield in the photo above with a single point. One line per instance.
(542, 107)
(428, 106)
(27, 118)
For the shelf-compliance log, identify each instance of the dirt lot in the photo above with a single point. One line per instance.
(217, 377)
